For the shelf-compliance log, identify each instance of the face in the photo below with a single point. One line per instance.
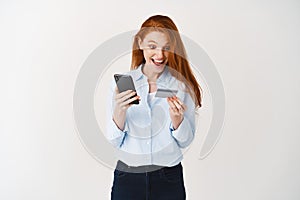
(155, 46)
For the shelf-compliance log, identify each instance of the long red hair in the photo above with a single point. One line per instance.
(177, 58)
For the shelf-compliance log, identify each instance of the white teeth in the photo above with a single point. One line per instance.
(158, 61)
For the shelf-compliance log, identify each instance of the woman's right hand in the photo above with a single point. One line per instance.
(122, 103)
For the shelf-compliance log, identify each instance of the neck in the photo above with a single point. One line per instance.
(152, 77)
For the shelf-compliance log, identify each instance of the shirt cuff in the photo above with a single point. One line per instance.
(183, 134)
(117, 136)
(176, 132)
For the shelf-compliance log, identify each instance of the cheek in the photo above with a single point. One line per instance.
(147, 56)
(166, 55)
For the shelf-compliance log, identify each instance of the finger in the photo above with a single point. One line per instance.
(174, 111)
(178, 106)
(178, 100)
(117, 90)
(132, 99)
(175, 98)
(125, 95)
(122, 94)
(171, 104)
(181, 111)
(176, 103)
(184, 107)
(119, 99)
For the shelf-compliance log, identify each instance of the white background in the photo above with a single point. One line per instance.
(254, 44)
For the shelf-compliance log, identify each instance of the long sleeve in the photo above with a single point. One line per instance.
(112, 133)
(185, 133)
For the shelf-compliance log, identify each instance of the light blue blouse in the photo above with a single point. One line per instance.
(148, 137)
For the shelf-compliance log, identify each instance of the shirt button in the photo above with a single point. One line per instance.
(148, 142)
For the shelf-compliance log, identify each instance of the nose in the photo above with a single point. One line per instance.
(159, 53)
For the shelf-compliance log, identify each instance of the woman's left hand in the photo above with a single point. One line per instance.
(176, 109)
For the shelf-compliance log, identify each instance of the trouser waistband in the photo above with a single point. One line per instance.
(121, 166)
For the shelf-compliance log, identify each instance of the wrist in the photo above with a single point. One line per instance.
(176, 124)
(119, 113)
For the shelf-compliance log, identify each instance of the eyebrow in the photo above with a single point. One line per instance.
(156, 42)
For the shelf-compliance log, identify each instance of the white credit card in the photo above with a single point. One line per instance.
(164, 93)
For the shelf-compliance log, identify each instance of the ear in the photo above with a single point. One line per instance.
(139, 40)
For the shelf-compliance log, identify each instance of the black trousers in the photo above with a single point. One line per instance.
(165, 183)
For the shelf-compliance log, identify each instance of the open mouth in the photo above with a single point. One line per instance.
(158, 62)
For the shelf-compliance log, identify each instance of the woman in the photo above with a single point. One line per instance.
(149, 136)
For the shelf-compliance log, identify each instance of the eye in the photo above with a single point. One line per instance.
(167, 48)
(152, 46)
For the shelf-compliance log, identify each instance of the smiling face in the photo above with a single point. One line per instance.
(155, 46)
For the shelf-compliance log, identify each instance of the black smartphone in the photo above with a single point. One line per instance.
(125, 82)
